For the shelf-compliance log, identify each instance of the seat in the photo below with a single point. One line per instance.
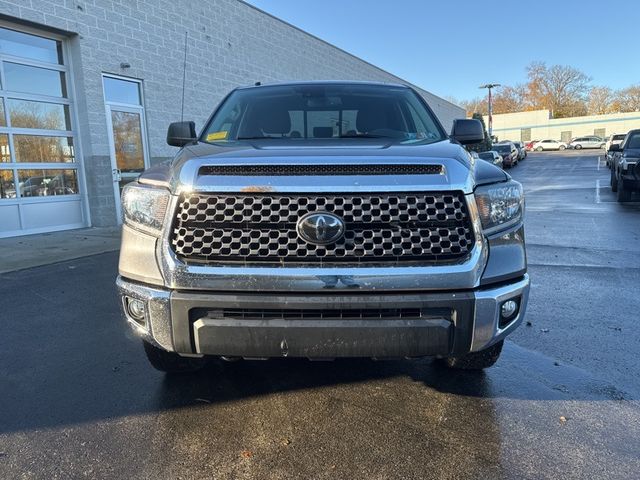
(265, 118)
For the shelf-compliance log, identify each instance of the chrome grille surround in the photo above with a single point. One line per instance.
(381, 229)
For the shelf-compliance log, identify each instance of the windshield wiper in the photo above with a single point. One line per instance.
(363, 135)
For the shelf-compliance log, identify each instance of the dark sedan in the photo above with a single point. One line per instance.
(508, 152)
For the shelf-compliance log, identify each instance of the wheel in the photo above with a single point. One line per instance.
(614, 180)
(562, 147)
(475, 360)
(624, 195)
(171, 362)
(578, 146)
(538, 149)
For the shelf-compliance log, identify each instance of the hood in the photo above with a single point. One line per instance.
(193, 169)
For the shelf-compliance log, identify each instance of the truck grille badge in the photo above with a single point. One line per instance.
(320, 228)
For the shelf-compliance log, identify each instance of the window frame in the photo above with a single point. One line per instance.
(74, 132)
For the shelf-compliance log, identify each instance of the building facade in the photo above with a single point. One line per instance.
(88, 88)
(538, 125)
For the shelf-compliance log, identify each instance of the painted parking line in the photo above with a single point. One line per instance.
(598, 185)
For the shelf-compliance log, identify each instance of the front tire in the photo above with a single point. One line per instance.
(475, 360)
(171, 362)
(578, 147)
(614, 180)
(624, 195)
(539, 149)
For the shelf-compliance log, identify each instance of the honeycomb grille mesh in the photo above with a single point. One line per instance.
(380, 228)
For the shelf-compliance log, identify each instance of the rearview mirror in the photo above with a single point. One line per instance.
(614, 147)
(467, 131)
(180, 134)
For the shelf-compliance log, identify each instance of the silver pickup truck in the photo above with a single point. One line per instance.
(323, 220)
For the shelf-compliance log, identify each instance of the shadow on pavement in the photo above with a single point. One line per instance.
(65, 359)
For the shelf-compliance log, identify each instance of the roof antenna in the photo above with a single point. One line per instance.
(257, 84)
(184, 75)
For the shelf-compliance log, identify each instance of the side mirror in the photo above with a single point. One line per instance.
(180, 134)
(615, 147)
(467, 131)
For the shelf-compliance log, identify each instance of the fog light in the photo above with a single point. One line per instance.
(509, 309)
(136, 309)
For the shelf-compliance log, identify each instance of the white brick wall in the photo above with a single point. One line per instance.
(230, 44)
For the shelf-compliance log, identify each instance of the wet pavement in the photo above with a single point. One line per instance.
(78, 400)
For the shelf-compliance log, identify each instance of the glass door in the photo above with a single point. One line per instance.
(127, 135)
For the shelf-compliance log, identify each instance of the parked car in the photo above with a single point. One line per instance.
(213, 243)
(548, 144)
(616, 139)
(508, 152)
(492, 157)
(591, 141)
(34, 187)
(625, 167)
(522, 152)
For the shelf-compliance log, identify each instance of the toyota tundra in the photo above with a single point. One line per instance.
(323, 220)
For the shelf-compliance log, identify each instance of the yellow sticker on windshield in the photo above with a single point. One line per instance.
(217, 136)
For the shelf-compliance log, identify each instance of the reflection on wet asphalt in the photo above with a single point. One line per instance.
(77, 398)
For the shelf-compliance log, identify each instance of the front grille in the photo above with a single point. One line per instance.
(293, 170)
(325, 314)
(380, 228)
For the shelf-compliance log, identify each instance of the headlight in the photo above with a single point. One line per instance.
(500, 205)
(144, 207)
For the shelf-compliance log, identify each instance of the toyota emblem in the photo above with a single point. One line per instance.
(320, 228)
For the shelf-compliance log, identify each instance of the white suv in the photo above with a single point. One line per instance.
(548, 144)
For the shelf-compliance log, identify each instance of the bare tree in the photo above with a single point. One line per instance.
(599, 100)
(510, 99)
(628, 99)
(560, 88)
(475, 105)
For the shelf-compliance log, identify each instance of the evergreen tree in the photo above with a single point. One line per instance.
(486, 144)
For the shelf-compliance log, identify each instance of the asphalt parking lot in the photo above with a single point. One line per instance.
(78, 399)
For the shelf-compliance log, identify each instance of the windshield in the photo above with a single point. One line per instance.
(502, 148)
(297, 112)
(486, 155)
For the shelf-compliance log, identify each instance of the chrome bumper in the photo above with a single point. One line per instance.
(473, 326)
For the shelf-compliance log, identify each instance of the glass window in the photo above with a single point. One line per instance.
(121, 91)
(3, 120)
(28, 114)
(127, 140)
(45, 183)
(5, 156)
(322, 124)
(327, 111)
(37, 148)
(633, 142)
(28, 79)
(7, 184)
(30, 46)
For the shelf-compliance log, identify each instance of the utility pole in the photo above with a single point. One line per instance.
(489, 86)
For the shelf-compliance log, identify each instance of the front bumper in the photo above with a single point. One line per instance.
(454, 322)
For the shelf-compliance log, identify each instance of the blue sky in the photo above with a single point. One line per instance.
(450, 48)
